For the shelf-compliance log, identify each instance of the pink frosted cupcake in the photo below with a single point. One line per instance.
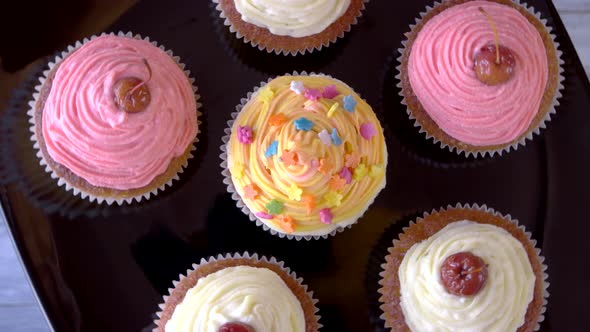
(115, 118)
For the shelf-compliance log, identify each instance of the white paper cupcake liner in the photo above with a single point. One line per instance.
(245, 255)
(236, 196)
(490, 211)
(69, 186)
(513, 146)
(279, 51)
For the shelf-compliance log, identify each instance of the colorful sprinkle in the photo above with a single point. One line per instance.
(297, 87)
(272, 149)
(333, 109)
(333, 199)
(303, 124)
(289, 158)
(309, 202)
(286, 223)
(346, 174)
(368, 131)
(330, 92)
(337, 183)
(325, 137)
(263, 215)
(294, 192)
(349, 103)
(348, 148)
(274, 207)
(310, 105)
(237, 171)
(277, 120)
(376, 170)
(251, 191)
(360, 172)
(352, 160)
(266, 94)
(335, 138)
(326, 216)
(325, 166)
(245, 134)
(312, 94)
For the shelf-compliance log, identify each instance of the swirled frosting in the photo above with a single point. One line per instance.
(441, 73)
(85, 131)
(299, 18)
(316, 158)
(254, 296)
(500, 306)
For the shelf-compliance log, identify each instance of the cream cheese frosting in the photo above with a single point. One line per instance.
(254, 296)
(294, 18)
(500, 306)
(442, 76)
(85, 131)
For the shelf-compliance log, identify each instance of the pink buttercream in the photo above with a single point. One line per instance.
(85, 131)
(441, 73)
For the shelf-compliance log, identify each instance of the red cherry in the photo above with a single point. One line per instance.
(132, 94)
(235, 327)
(463, 274)
(488, 70)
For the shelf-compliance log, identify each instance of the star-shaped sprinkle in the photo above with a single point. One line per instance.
(263, 215)
(349, 103)
(277, 120)
(245, 134)
(286, 223)
(237, 171)
(294, 192)
(297, 87)
(325, 137)
(325, 166)
(376, 170)
(368, 131)
(274, 207)
(251, 191)
(360, 172)
(337, 183)
(333, 109)
(352, 160)
(346, 174)
(309, 202)
(335, 138)
(289, 158)
(272, 149)
(326, 216)
(333, 199)
(312, 94)
(303, 124)
(330, 92)
(266, 94)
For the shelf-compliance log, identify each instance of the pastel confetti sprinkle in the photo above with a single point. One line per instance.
(312, 94)
(263, 215)
(311, 105)
(346, 174)
(376, 170)
(286, 223)
(277, 120)
(294, 192)
(272, 149)
(325, 166)
(333, 109)
(251, 191)
(360, 172)
(325, 137)
(333, 199)
(274, 207)
(326, 216)
(245, 134)
(289, 158)
(330, 92)
(237, 171)
(349, 103)
(348, 148)
(368, 131)
(297, 87)
(303, 124)
(352, 160)
(335, 138)
(337, 183)
(266, 94)
(309, 202)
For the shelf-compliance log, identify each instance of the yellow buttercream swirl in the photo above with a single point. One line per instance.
(272, 118)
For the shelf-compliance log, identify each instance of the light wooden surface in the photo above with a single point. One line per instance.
(19, 311)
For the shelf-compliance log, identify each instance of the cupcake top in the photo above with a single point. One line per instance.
(307, 155)
(119, 110)
(248, 296)
(292, 18)
(442, 72)
(467, 277)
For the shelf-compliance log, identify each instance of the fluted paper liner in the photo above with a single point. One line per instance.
(391, 243)
(236, 196)
(249, 260)
(79, 191)
(482, 150)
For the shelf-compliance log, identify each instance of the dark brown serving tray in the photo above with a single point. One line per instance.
(97, 268)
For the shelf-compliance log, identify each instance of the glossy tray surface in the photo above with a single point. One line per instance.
(98, 268)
